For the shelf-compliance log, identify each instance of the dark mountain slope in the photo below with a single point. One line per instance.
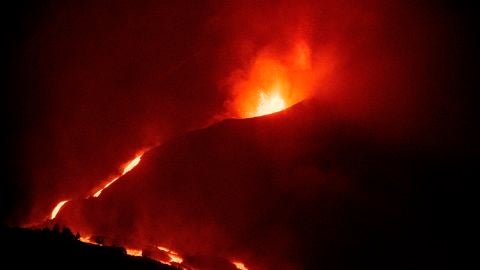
(300, 189)
(54, 249)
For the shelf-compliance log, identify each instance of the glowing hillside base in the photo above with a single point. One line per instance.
(133, 252)
(174, 256)
(240, 266)
(269, 103)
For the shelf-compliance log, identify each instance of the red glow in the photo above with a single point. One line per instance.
(221, 193)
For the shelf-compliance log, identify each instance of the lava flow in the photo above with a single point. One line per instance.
(173, 256)
(57, 209)
(134, 252)
(126, 168)
(239, 265)
(87, 239)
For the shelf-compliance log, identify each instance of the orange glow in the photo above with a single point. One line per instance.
(240, 265)
(302, 56)
(127, 167)
(57, 209)
(269, 104)
(266, 90)
(134, 252)
(174, 256)
(131, 164)
(86, 239)
(96, 194)
(275, 80)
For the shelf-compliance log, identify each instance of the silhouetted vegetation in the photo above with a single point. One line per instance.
(59, 248)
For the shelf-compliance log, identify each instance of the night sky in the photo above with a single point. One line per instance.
(87, 84)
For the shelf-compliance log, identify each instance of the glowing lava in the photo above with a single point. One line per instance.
(96, 194)
(57, 209)
(128, 167)
(277, 78)
(86, 239)
(131, 164)
(174, 257)
(240, 265)
(269, 104)
(134, 252)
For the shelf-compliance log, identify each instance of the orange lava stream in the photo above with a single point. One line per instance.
(239, 265)
(96, 194)
(128, 167)
(57, 209)
(134, 252)
(86, 239)
(132, 164)
(174, 256)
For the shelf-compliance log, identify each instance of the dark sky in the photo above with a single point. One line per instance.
(86, 84)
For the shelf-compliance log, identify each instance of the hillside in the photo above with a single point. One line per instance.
(60, 249)
(302, 189)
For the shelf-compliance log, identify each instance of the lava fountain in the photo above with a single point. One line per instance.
(270, 104)
(274, 81)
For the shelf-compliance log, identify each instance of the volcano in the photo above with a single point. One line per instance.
(118, 125)
(303, 188)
